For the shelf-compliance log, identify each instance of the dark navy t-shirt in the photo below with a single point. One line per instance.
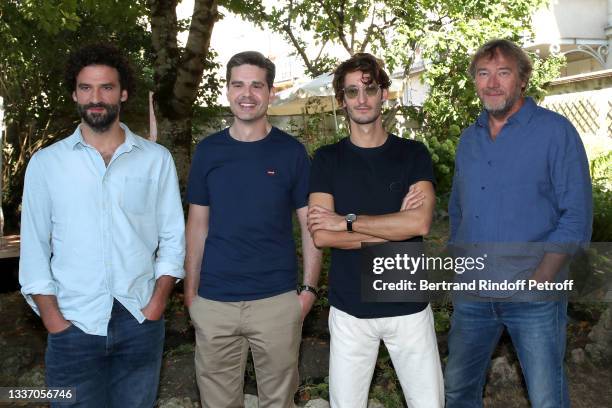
(252, 189)
(367, 181)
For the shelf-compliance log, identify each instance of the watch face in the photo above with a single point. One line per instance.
(351, 217)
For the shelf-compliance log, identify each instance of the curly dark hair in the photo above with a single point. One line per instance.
(99, 54)
(364, 62)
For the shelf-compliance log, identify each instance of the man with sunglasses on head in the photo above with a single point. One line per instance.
(372, 187)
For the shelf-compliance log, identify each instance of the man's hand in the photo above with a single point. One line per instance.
(413, 199)
(549, 266)
(154, 310)
(56, 325)
(52, 317)
(306, 299)
(320, 218)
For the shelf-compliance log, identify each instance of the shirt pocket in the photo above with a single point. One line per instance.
(138, 195)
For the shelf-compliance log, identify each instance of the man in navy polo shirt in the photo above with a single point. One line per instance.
(241, 267)
(521, 179)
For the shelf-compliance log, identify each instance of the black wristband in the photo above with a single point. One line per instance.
(308, 288)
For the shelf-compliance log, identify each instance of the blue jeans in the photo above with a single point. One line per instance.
(537, 330)
(117, 370)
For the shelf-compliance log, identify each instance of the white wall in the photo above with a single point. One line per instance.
(571, 19)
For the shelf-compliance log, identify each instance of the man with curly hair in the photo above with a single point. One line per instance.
(102, 235)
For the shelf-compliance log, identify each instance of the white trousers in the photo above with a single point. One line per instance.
(411, 341)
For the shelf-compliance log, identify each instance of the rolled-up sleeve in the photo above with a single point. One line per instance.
(573, 190)
(34, 263)
(171, 223)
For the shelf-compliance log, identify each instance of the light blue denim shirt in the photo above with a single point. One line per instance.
(91, 233)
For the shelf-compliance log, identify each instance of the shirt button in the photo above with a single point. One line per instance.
(477, 217)
(490, 163)
(482, 188)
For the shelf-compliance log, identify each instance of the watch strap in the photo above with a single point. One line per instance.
(308, 288)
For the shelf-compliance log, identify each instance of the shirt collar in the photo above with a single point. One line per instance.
(130, 138)
(523, 115)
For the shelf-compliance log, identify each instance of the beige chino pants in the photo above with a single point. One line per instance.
(271, 327)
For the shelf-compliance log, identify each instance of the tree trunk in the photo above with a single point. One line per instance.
(178, 73)
(175, 134)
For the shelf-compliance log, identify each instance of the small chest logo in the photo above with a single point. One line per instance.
(271, 172)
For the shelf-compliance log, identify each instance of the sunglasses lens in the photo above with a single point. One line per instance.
(371, 90)
(351, 92)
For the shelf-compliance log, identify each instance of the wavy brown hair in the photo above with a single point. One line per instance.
(364, 62)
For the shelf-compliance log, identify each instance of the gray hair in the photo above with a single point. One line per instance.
(507, 49)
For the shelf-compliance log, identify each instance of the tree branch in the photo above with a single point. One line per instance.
(369, 31)
(337, 20)
(300, 50)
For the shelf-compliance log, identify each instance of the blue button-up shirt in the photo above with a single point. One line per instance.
(530, 184)
(91, 232)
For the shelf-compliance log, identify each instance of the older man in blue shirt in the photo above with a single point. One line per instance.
(521, 181)
(102, 235)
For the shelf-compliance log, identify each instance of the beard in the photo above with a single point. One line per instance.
(501, 109)
(99, 122)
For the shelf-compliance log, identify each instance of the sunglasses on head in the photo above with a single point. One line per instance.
(351, 92)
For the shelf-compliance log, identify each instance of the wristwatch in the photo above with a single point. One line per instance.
(308, 288)
(350, 218)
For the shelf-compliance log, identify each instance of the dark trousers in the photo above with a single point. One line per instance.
(120, 369)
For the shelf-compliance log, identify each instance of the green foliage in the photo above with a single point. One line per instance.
(310, 390)
(450, 35)
(47, 15)
(441, 33)
(442, 150)
(209, 89)
(312, 127)
(442, 316)
(601, 174)
(385, 386)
